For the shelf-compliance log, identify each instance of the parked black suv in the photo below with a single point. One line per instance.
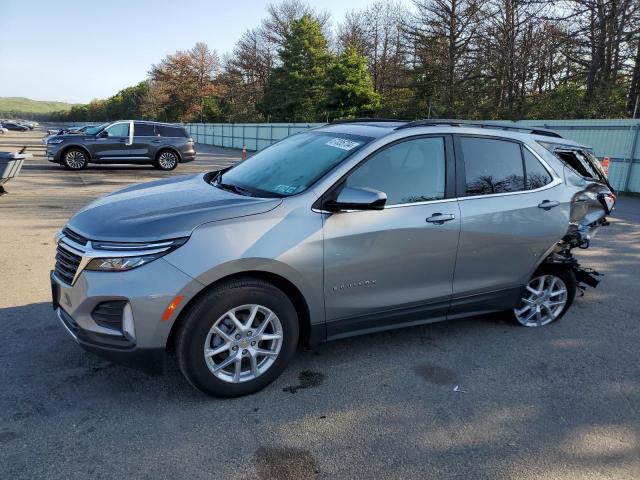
(124, 141)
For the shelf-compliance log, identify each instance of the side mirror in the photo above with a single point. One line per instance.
(103, 134)
(357, 198)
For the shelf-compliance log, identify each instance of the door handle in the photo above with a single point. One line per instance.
(123, 140)
(439, 218)
(548, 204)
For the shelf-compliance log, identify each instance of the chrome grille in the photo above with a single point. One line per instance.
(66, 264)
(79, 239)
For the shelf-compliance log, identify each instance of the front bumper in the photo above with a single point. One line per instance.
(150, 360)
(53, 153)
(148, 290)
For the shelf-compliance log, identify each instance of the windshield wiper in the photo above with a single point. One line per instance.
(230, 187)
(235, 189)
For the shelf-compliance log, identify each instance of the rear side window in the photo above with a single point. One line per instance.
(537, 175)
(408, 172)
(167, 131)
(143, 129)
(491, 166)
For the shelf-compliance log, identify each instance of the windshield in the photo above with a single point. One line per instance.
(291, 165)
(94, 130)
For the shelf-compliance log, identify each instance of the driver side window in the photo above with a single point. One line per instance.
(408, 172)
(118, 130)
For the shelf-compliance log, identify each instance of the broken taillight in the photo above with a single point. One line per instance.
(608, 200)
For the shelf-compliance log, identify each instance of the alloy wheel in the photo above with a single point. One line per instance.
(167, 160)
(75, 159)
(544, 300)
(243, 343)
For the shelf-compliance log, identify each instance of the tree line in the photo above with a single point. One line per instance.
(489, 59)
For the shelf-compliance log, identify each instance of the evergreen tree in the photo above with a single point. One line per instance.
(350, 91)
(297, 86)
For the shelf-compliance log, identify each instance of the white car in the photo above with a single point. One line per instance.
(3, 130)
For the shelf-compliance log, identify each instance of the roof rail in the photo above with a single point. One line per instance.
(369, 120)
(479, 124)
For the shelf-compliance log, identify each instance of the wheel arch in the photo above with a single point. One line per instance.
(307, 336)
(169, 148)
(66, 148)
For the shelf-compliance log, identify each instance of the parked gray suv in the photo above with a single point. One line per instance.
(349, 228)
(125, 141)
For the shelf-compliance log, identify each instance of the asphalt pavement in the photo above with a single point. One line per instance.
(472, 399)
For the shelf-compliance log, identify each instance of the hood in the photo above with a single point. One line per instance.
(163, 209)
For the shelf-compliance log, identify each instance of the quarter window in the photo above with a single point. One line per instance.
(118, 130)
(166, 131)
(537, 175)
(492, 166)
(408, 172)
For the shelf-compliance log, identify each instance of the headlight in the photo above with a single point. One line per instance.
(119, 257)
(55, 140)
(118, 264)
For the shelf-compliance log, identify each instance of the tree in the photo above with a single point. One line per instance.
(488, 59)
(245, 76)
(378, 33)
(297, 86)
(445, 34)
(349, 88)
(277, 26)
(205, 65)
(602, 35)
(183, 80)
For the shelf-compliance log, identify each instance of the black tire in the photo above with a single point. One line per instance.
(75, 159)
(166, 160)
(201, 317)
(567, 276)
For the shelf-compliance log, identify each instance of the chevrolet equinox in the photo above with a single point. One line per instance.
(349, 228)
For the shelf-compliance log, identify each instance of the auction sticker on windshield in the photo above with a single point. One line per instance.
(342, 143)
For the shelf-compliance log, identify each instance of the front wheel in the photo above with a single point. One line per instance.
(75, 159)
(238, 338)
(547, 297)
(167, 160)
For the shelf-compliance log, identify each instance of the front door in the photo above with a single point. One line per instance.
(111, 144)
(393, 266)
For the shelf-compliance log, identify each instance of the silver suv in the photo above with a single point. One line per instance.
(350, 228)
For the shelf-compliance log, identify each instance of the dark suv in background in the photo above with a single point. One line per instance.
(124, 141)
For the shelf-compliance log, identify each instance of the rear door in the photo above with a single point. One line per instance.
(394, 266)
(143, 136)
(512, 214)
(167, 135)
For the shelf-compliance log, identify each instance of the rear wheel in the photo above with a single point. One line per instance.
(166, 160)
(238, 338)
(547, 297)
(75, 159)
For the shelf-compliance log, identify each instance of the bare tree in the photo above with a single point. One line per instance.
(445, 36)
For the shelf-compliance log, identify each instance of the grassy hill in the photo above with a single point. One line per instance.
(26, 105)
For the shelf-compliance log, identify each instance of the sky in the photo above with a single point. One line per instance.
(75, 51)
